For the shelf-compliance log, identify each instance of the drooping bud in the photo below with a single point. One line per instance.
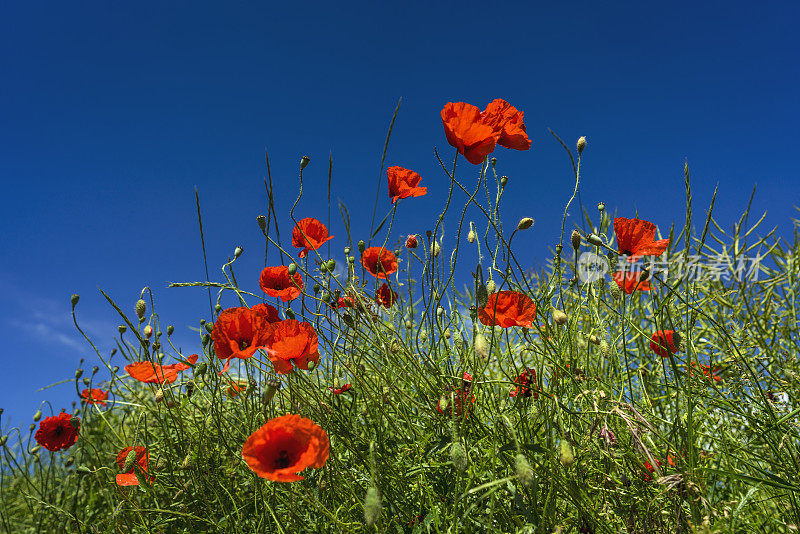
(576, 239)
(565, 454)
(200, 368)
(148, 331)
(524, 223)
(289, 313)
(481, 346)
(141, 307)
(411, 241)
(372, 506)
(37, 416)
(74, 300)
(159, 396)
(459, 456)
(581, 144)
(262, 223)
(435, 249)
(237, 252)
(304, 161)
(594, 340)
(209, 327)
(87, 381)
(471, 236)
(409, 324)
(559, 317)
(35, 449)
(524, 470)
(170, 330)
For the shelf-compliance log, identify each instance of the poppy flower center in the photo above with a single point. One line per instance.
(58, 430)
(627, 253)
(282, 461)
(243, 344)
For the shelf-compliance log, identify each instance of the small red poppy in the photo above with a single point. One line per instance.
(379, 262)
(385, 296)
(284, 446)
(403, 183)
(663, 342)
(636, 238)
(269, 312)
(411, 241)
(507, 309)
(236, 387)
(523, 381)
(152, 373)
(292, 342)
(239, 332)
(460, 400)
(58, 432)
(629, 282)
(708, 373)
(94, 396)
(650, 469)
(342, 389)
(129, 478)
(275, 282)
(309, 234)
(464, 129)
(508, 121)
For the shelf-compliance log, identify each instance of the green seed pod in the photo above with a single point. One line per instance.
(565, 454)
(346, 250)
(115, 368)
(601, 207)
(262, 223)
(209, 327)
(331, 264)
(141, 308)
(237, 252)
(559, 317)
(361, 246)
(205, 338)
(326, 296)
(459, 456)
(372, 506)
(217, 308)
(351, 260)
(503, 181)
(524, 470)
(37, 416)
(87, 381)
(78, 373)
(33, 426)
(122, 328)
(74, 300)
(311, 365)
(323, 268)
(581, 144)
(317, 287)
(170, 330)
(304, 161)
(292, 268)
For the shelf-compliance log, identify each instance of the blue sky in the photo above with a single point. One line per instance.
(112, 113)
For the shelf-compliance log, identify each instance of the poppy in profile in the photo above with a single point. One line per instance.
(337, 391)
(94, 396)
(152, 373)
(664, 342)
(275, 282)
(524, 381)
(508, 121)
(129, 478)
(467, 132)
(239, 332)
(629, 282)
(269, 312)
(309, 234)
(58, 432)
(291, 341)
(403, 183)
(379, 262)
(507, 309)
(636, 238)
(385, 296)
(284, 446)
(708, 373)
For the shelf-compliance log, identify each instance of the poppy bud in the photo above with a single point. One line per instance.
(439, 311)
(614, 291)
(481, 346)
(471, 236)
(459, 456)
(200, 368)
(494, 161)
(69, 461)
(645, 274)
(188, 462)
(601, 206)
(115, 368)
(74, 300)
(565, 454)
(311, 365)
(351, 260)
(170, 330)
(323, 268)
(605, 349)
(576, 239)
(361, 246)
(304, 161)
(3, 440)
(95, 369)
(581, 144)
(372, 506)
(78, 373)
(148, 331)
(291, 269)
(524, 470)
(122, 328)
(262, 223)
(35, 449)
(37, 416)
(289, 313)
(423, 336)
(141, 307)
(33, 425)
(159, 396)
(411, 241)
(189, 388)
(524, 223)
(82, 470)
(331, 265)
(317, 288)
(503, 180)
(75, 421)
(204, 339)
(130, 459)
(409, 324)
(559, 317)
(237, 252)
(272, 387)
(209, 327)
(326, 296)
(595, 240)
(491, 286)
(435, 249)
(87, 381)
(594, 340)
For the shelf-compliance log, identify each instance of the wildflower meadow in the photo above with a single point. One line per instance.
(642, 380)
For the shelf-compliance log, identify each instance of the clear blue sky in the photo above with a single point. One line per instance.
(111, 113)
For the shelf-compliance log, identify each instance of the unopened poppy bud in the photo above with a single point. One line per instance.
(189, 388)
(326, 296)
(565, 454)
(423, 336)
(311, 365)
(595, 240)
(524, 223)
(209, 327)
(559, 317)
(317, 287)
(409, 324)
(645, 275)
(491, 286)
(170, 330)
(289, 313)
(237, 252)
(605, 349)
(37, 416)
(601, 206)
(576, 239)
(140, 308)
(292, 268)
(159, 396)
(614, 291)
(262, 223)
(331, 265)
(33, 425)
(78, 373)
(87, 381)
(372, 506)
(481, 346)
(82, 470)
(272, 387)
(323, 268)
(35, 449)
(130, 459)
(122, 328)
(115, 368)
(205, 339)
(411, 241)
(188, 462)
(361, 246)
(69, 461)
(594, 340)
(581, 144)
(524, 470)
(435, 249)
(494, 161)
(459, 456)
(148, 331)
(304, 161)
(74, 299)
(471, 236)
(439, 311)
(200, 368)
(503, 180)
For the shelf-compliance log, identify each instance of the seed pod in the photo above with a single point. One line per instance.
(74, 300)
(304, 161)
(122, 328)
(459, 456)
(217, 308)
(33, 425)
(372, 506)
(524, 470)
(581, 144)
(575, 238)
(170, 330)
(361, 246)
(87, 381)
(78, 373)
(559, 317)
(292, 268)
(237, 252)
(481, 346)
(262, 223)
(503, 181)
(565, 454)
(601, 207)
(141, 307)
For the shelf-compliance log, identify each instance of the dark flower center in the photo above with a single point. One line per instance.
(243, 344)
(58, 430)
(627, 253)
(282, 461)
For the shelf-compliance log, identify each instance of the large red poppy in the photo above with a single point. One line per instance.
(403, 183)
(523, 381)
(466, 131)
(309, 234)
(239, 332)
(275, 282)
(152, 373)
(94, 396)
(664, 342)
(129, 478)
(507, 309)
(269, 312)
(58, 432)
(628, 281)
(379, 262)
(385, 296)
(292, 342)
(636, 238)
(284, 446)
(508, 121)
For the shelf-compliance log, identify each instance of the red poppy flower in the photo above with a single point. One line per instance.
(403, 183)
(269, 312)
(239, 332)
(379, 262)
(663, 342)
(507, 119)
(411, 241)
(94, 396)
(344, 302)
(650, 469)
(58, 432)
(284, 446)
(629, 282)
(385, 296)
(236, 387)
(635, 238)
(342, 389)
(292, 341)
(275, 282)
(129, 478)
(152, 373)
(523, 381)
(309, 234)
(460, 400)
(466, 131)
(507, 309)
(708, 373)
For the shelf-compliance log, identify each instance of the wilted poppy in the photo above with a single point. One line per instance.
(152, 373)
(708, 373)
(466, 131)
(58, 432)
(239, 332)
(507, 119)
(379, 262)
(309, 234)
(342, 389)
(385, 296)
(628, 281)
(507, 309)
(664, 342)
(275, 282)
(524, 381)
(284, 446)
(129, 478)
(269, 312)
(94, 396)
(636, 238)
(292, 342)
(403, 183)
